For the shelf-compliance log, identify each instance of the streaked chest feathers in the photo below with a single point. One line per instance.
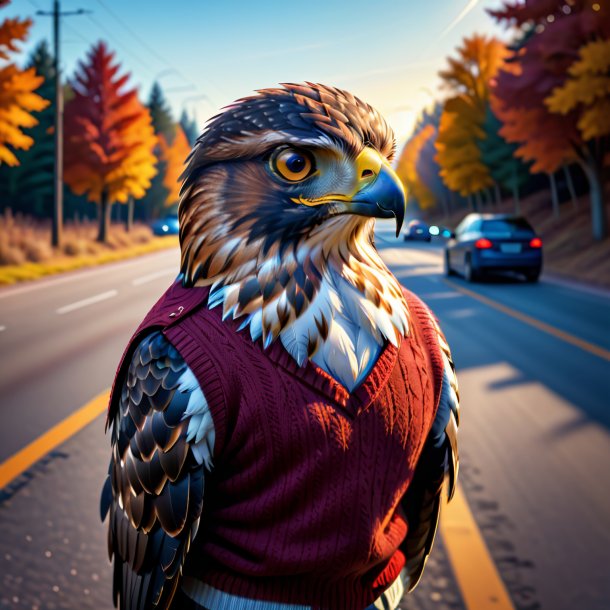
(355, 306)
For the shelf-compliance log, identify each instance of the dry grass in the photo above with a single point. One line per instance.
(26, 254)
(569, 249)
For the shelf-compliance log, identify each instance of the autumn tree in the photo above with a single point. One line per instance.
(426, 165)
(532, 99)
(461, 125)
(108, 136)
(586, 92)
(406, 168)
(29, 186)
(173, 156)
(17, 97)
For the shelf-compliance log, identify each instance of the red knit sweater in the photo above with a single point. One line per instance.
(302, 504)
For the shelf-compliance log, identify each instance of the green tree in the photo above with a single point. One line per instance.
(189, 126)
(507, 170)
(161, 113)
(153, 204)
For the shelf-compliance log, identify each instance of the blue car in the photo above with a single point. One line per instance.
(493, 242)
(166, 226)
(417, 231)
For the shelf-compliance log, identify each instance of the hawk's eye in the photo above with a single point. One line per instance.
(293, 165)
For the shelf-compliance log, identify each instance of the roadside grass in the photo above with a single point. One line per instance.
(26, 253)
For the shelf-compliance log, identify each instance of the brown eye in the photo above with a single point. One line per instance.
(293, 165)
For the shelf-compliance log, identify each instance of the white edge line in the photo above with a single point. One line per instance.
(153, 276)
(85, 302)
(68, 276)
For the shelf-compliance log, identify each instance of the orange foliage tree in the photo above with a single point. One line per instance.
(109, 137)
(461, 125)
(173, 156)
(17, 97)
(406, 168)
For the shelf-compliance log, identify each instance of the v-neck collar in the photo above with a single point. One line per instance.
(353, 402)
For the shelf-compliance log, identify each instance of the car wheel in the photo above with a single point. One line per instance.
(446, 265)
(470, 273)
(532, 275)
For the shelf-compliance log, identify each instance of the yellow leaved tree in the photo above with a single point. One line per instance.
(173, 155)
(587, 90)
(17, 97)
(407, 168)
(461, 125)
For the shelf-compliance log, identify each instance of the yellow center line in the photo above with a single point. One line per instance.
(18, 463)
(475, 572)
(474, 569)
(543, 326)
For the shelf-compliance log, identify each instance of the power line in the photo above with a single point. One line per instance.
(76, 33)
(153, 52)
(109, 34)
(134, 34)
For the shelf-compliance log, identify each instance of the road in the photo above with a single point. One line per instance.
(535, 441)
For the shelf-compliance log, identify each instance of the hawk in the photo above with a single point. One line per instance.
(284, 417)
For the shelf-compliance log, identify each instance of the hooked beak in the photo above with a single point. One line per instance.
(380, 192)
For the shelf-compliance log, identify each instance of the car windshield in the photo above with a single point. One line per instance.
(506, 226)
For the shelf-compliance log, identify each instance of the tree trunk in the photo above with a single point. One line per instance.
(446, 205)
(599, 222)
(104, 216)
(554, 196)
(570, 183)
(479, 201)
(516, 198)
(471, 203)
(487, 197)
(497, 193)
(129, 221)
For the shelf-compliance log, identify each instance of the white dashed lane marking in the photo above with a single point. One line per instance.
(153, 276)
(86, 302)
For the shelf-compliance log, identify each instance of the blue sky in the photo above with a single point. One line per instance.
(206, 54)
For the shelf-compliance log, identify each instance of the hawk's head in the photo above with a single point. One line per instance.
(280, 185)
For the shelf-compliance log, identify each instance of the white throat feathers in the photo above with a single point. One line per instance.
(357, 306)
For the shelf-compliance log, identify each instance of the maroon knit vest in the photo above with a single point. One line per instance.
(302, 505)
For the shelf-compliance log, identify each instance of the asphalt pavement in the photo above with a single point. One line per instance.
(535, 442)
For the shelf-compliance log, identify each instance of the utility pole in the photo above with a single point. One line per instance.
(58, 132)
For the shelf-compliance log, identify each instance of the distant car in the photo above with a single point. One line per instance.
(493, 242)
(166, 226)
(417, 231)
